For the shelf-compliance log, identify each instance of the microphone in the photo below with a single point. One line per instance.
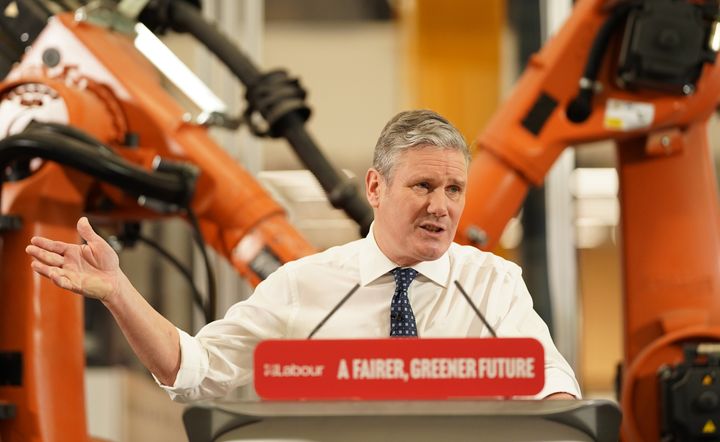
(332, 312)
(477, 312)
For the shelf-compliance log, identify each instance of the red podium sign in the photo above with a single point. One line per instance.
(398, 368)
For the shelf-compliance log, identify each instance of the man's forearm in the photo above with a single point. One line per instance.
(153, 338)
(555, 396)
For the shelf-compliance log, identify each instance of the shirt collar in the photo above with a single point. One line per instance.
(374, 264)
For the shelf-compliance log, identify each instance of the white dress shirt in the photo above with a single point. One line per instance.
(295, 298)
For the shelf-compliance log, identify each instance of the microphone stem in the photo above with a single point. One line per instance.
(477, 312)
(332, 312)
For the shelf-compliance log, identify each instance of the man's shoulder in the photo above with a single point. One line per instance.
(472, 256)
(309, 271)
(336, 256)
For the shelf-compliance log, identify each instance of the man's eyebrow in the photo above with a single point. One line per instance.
(420, 178)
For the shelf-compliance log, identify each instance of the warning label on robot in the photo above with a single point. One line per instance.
(622, 115)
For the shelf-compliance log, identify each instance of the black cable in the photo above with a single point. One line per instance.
(184, 17)
(197, 297)
(71, 147)
(105, 165)
(211, 289)
(342, 194)
(280, 105)
(580, 107)
(70, 131)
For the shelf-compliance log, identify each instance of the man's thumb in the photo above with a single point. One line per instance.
(85, 230)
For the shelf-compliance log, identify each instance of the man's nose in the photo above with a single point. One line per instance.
(437, 203)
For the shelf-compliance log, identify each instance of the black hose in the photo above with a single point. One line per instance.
(341, 193)
(289, 122)
(167, 187)
(184, 17)
(71, 147)
(211, 306)
(580, 107)
(197, 297)
(72, 132)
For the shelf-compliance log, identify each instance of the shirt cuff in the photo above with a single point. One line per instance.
(559, 383)
(193, 366)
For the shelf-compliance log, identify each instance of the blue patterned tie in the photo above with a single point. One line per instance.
(402, 319)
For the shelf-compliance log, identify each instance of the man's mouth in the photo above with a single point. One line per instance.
(433, 228)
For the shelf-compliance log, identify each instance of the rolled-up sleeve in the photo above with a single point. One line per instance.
(219, 358)
(193, 367)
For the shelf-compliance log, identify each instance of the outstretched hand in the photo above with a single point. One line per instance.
(90, 269)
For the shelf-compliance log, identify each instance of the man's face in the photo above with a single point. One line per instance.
(417, 211)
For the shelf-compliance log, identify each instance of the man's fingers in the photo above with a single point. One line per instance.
(86, 231)
(49, 258)
(55, 274)
(58, 276)
(41, 268)
(58, 247)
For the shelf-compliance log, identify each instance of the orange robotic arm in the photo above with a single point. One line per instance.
(651, 85)
(94, 80)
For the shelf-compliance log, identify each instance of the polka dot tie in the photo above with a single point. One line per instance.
(402, 319)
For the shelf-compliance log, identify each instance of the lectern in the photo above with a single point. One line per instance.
(418, 421)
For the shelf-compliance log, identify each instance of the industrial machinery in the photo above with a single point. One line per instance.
(87, 126)
(644, 74)
(83, 121)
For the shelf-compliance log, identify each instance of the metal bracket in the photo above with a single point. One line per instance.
(9, 223)
(11, 368)
(7, 411)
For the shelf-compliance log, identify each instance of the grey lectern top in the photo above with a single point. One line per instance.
(419, 421)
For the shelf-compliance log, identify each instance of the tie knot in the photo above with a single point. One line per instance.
(403, 277)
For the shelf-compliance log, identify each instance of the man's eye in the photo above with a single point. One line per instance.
(422, 186)
(454, 190)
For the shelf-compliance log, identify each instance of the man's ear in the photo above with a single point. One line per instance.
(373, 184)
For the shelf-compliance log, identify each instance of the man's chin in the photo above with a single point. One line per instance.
(433, 253)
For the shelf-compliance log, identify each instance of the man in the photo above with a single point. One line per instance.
(416, 188)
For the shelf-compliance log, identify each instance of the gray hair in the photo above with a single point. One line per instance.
(415, 129)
